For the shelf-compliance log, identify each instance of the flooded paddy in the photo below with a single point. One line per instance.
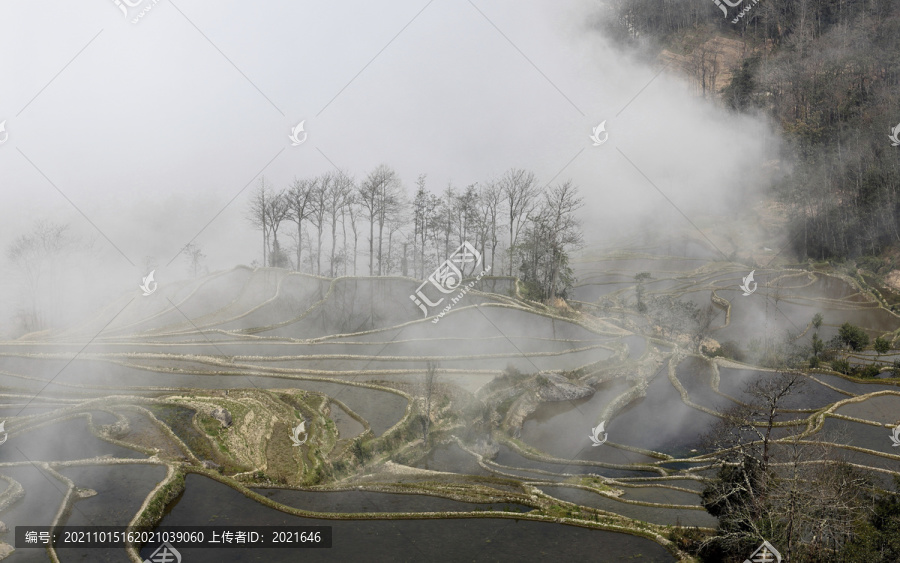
(274, 332)
(207, 502)
(451, 458)
(43, 496)
(61, 441)
(120, 492)
(657, 515)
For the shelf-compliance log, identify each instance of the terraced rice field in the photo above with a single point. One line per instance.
(118, 410)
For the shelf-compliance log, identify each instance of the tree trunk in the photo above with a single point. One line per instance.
(299, 245)
(319, 252)
(387, 269)
(380, 235)
(344, 240)
(371, 244)
(510, 245)
(333, 245)
(403, 264)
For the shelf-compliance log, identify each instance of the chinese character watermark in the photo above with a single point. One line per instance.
(447, 278)
(734, 4)
(144, 5)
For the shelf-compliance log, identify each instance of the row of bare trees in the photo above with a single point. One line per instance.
(37, 259)
(510, 220)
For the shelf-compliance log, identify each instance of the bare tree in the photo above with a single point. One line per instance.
(378, 194)
(519, 188)
(257, 215)
(318, 209)
(36, 257)
(388, 197)
(337, 196)
(490, 198)
(776, 484)
(395, 219)
(705, 67)
(353, 209)
(420, 221)
(368, 199)
(465, 214)
(195, 256)
(425, 208)
(446, 217)
(276, 211)
(299, 197)
(563, 228)
(345, 211)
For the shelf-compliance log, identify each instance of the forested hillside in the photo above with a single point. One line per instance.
(827, 72)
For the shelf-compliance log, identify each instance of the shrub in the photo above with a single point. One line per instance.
(688, 539)
(827, 355)
(853, 336)
(882, 345)
(817, 346)
(531, 291)
(872, 263)
(359, 451)
(870, 370)
(841, 366)
(511, 371)
(817, 320)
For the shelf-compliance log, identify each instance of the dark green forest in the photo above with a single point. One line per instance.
(827, 73)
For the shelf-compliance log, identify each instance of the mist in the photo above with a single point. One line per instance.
(631, 317)
(151, 133)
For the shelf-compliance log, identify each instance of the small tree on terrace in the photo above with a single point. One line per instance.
(817, 320)
(853, 336)
(195, 257)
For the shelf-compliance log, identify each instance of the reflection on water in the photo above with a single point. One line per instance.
(664, 516)
(208, 502)
(347, 426)
(62, 441)
(660, 421)
(121, 490)
(43, 496)
(451, 458)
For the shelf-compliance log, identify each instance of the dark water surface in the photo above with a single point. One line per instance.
(208, 502)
